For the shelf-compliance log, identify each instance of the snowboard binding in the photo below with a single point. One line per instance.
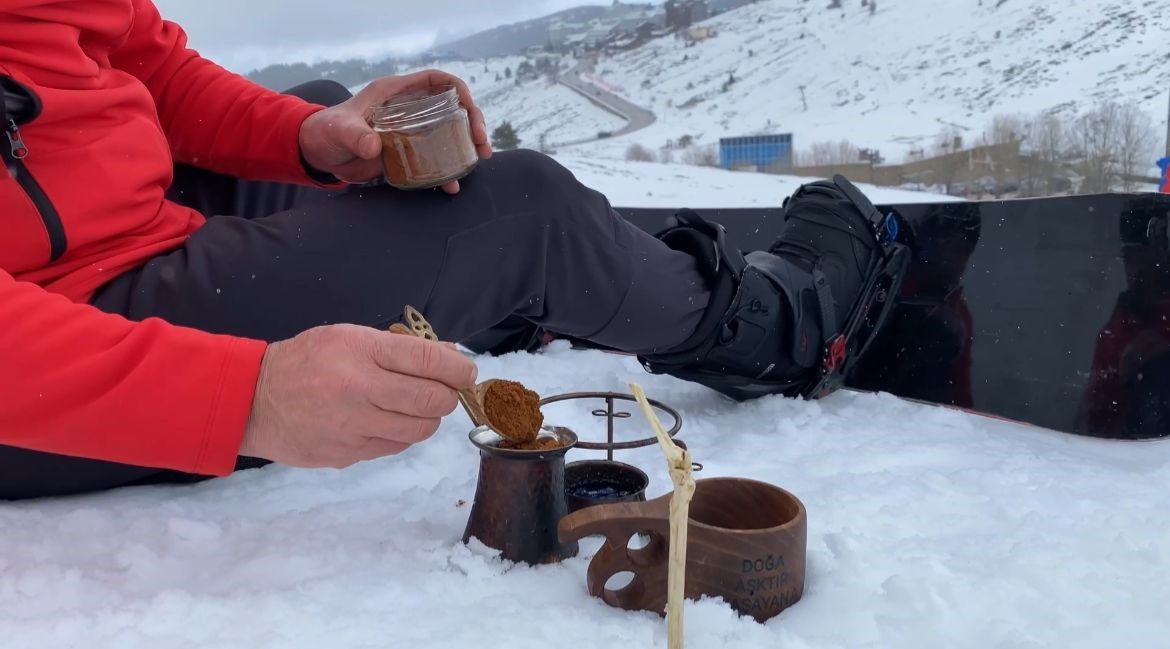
(793, 319)
(882, 284)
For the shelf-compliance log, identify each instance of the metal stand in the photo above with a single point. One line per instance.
(610, 414)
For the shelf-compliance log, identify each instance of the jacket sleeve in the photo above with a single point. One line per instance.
(213, 118)
(77, 381)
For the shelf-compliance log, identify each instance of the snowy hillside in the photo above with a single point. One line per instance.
(673, 186)
(537, 107)
(926, 529)
(534, 107)
(892, 80)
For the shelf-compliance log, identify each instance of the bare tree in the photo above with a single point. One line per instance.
(845, 152)
(1136, 143)
(1029, 166)
(1095, 138)
(1005, 129)
(639, 153)
(701, 157)
(1049, 141)
(1002, 135)
(948, 146)
(827, 154)
(665, 156)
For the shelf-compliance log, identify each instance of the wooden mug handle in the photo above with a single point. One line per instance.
(619, 523)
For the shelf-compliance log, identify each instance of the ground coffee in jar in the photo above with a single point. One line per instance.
(426, 139)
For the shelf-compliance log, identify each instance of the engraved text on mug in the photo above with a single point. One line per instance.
(755, 593)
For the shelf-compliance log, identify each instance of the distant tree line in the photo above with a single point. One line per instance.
(824, 154)
(684, 151)
(1108, 147)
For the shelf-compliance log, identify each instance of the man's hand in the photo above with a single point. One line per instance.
(341, 394)
(338, 140)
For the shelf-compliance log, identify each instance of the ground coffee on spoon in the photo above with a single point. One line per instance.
(514, 412)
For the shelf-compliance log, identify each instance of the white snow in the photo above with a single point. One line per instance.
(927, 528)
(540, 108)
(893, 80)
(651, 184)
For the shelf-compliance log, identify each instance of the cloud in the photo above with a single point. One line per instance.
(246, 34)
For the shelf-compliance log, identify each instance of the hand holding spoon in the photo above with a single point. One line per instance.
(506, 407)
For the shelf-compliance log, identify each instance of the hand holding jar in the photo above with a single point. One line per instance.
(419, 130)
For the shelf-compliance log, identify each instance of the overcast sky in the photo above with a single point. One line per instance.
(246, 34)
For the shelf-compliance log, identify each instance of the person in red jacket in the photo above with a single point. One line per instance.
(197, 272)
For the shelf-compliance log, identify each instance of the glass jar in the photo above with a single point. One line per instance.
(426, 139)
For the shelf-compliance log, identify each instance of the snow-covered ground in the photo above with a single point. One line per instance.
(892, 80)
(927, 528)
(540, 108)
(651, 184)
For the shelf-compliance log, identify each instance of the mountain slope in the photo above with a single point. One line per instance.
(512, 39)
(894, 79)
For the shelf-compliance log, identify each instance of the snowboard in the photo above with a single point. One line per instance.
(1053, 312)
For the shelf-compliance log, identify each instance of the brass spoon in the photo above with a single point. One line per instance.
(471, 400)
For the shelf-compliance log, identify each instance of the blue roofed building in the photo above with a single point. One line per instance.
(757, 153)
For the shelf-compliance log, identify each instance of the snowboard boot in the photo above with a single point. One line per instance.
(791, 320)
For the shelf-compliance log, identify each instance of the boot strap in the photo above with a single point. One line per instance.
(828, 309)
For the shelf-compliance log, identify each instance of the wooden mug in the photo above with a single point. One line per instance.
(746, 543)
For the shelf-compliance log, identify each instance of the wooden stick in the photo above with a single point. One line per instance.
(678, 461)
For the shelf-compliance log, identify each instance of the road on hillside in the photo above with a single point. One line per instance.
(637, 118)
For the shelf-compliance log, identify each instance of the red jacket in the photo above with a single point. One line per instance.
(123, 99)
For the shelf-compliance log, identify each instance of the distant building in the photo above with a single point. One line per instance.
(575, 44)
(634, 22)
(646, 30)
(697, 34)
(621, 40)
(681, 14)
(597, 37)
(757, 152)
(560, 33)
(700, 11)
(622, 44)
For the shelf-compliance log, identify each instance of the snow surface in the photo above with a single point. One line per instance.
(651, 184)
(543, 109)
(892, 81)
(927, 528)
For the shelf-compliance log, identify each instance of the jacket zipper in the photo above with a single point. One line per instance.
(14, 156)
